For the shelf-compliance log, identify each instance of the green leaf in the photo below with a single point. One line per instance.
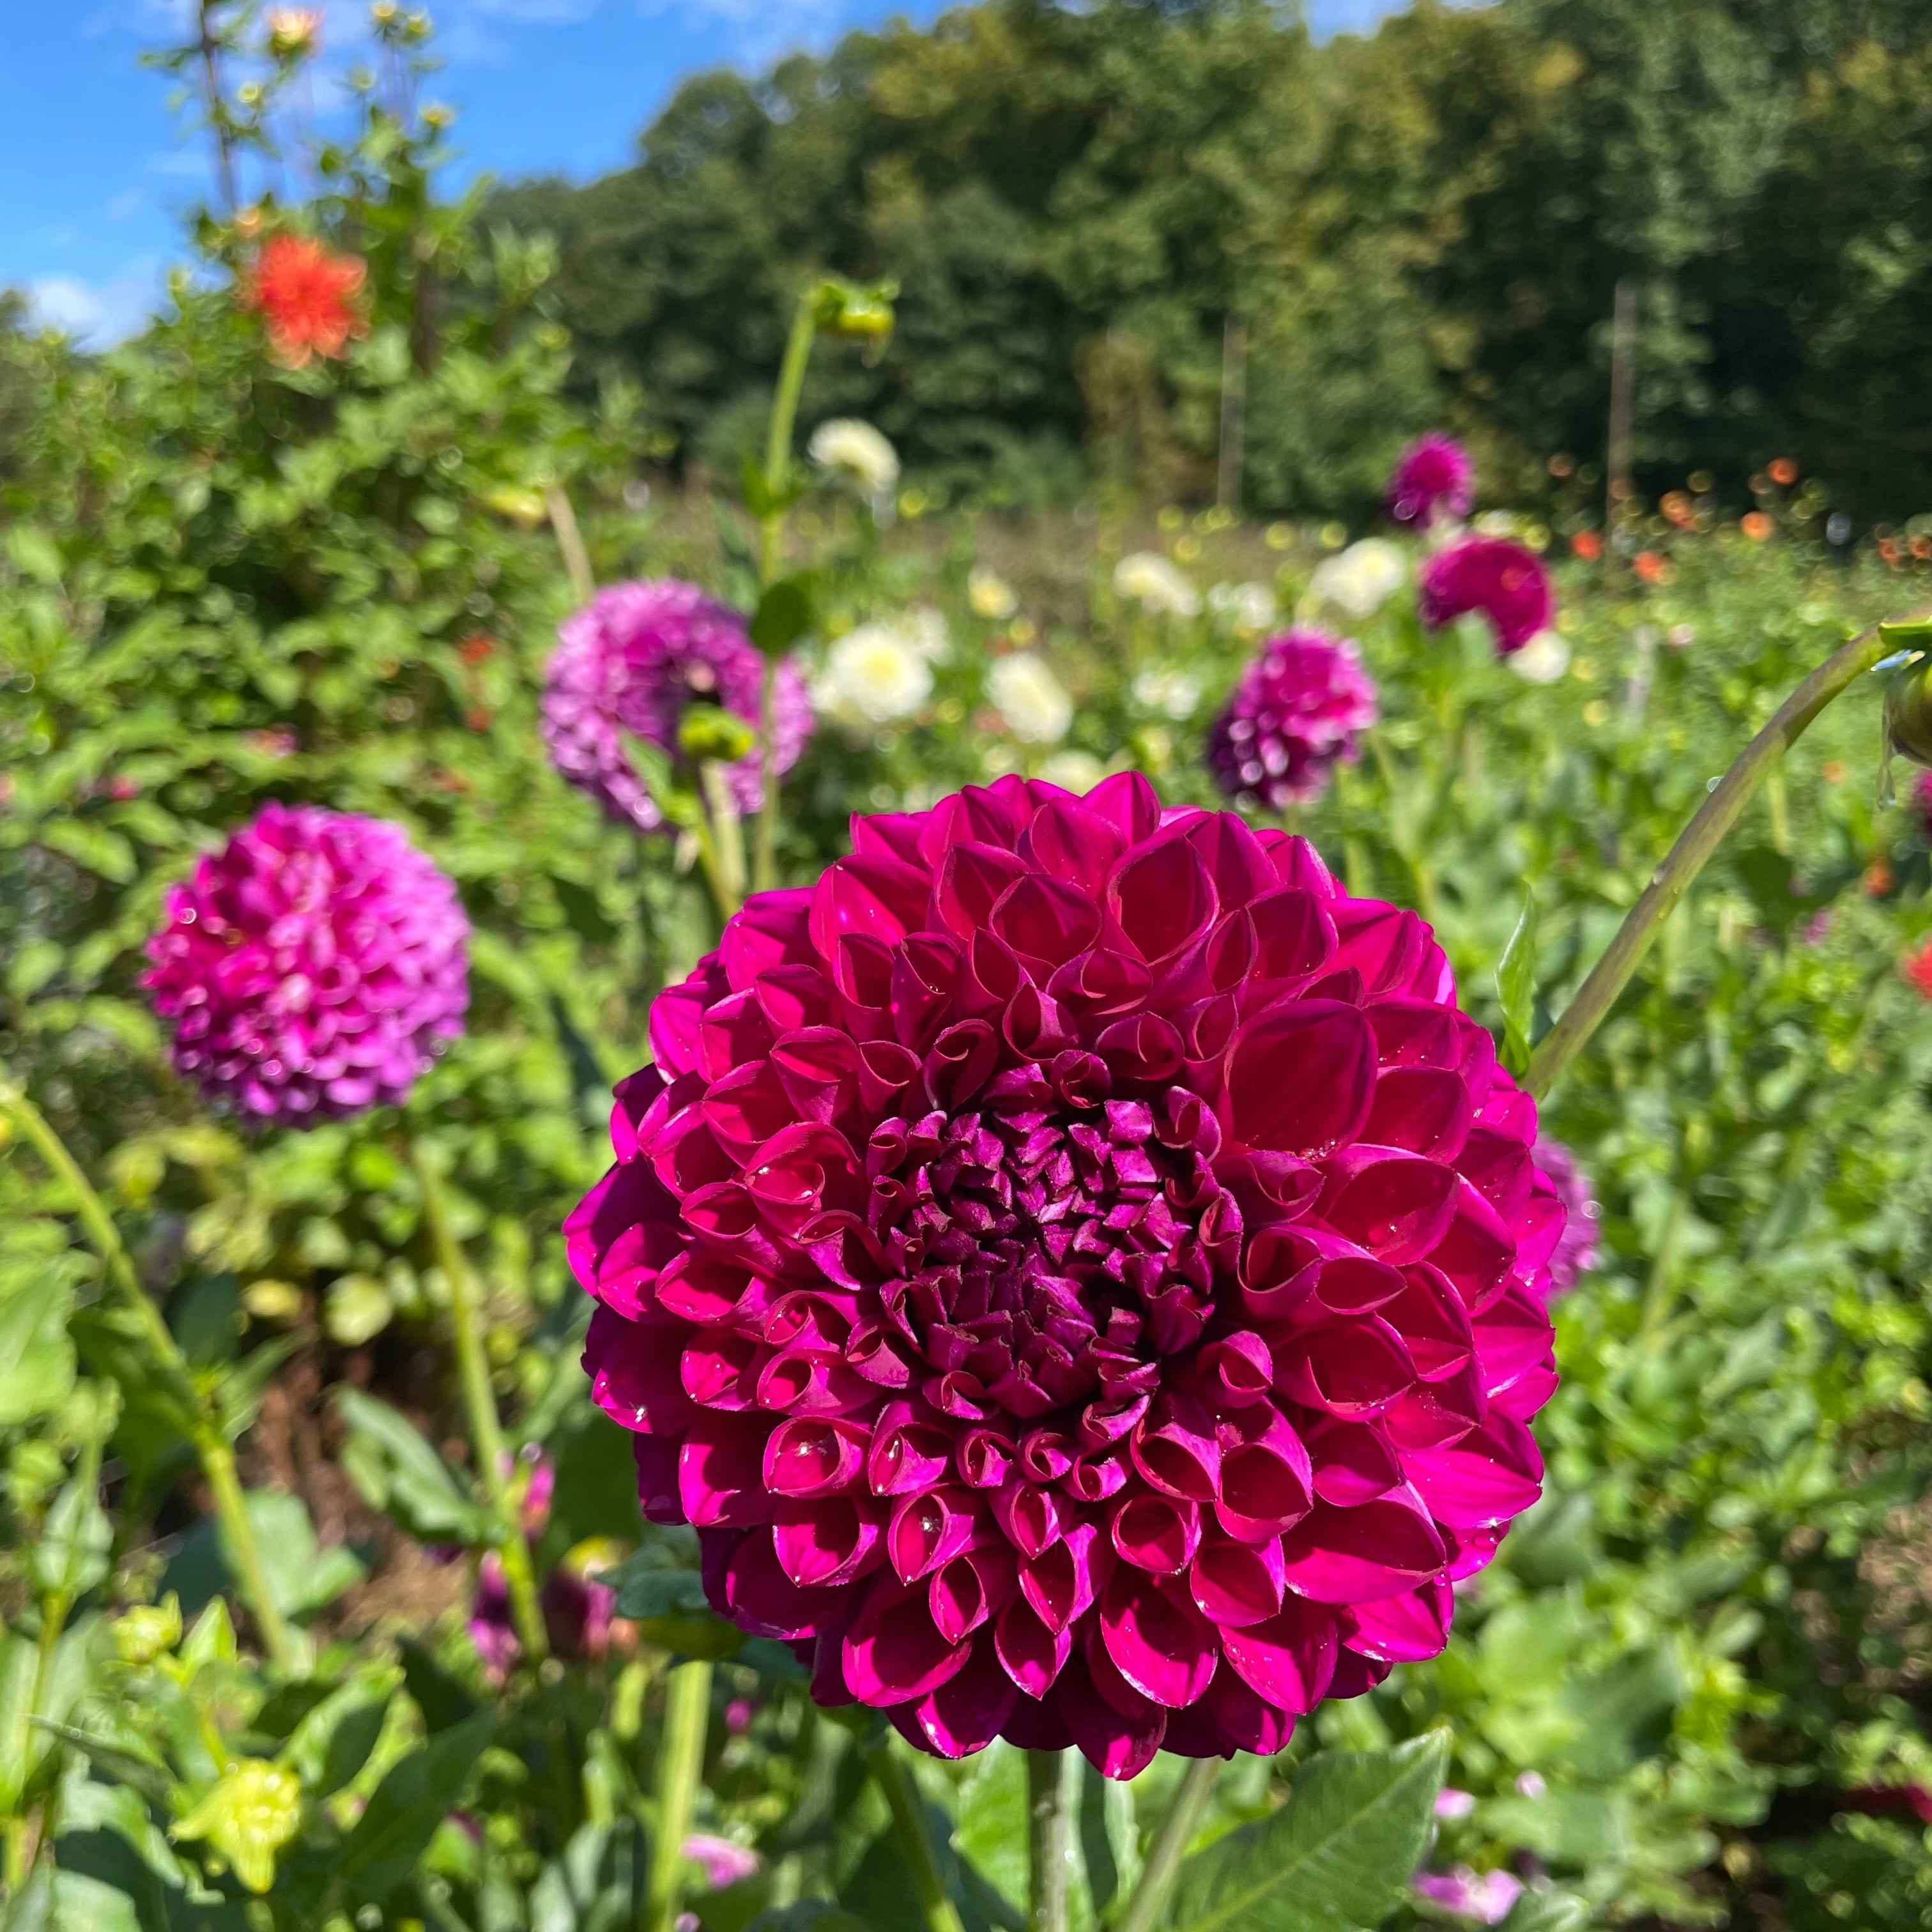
(405, 1809)
(1547, 1912)
(76, 1544)
(396, 1469)
(783, 617)
(301, 1575)
(645, 1588)
(442, 1701)
(1515, 981)
(1340, 1854)
(37, 1357)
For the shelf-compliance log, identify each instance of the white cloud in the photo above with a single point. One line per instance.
(96, 315)
(761, 29)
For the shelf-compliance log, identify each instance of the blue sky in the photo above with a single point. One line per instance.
(99, 169)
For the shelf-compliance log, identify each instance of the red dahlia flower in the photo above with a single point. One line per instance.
(1080, 1274)
(307, 298)
(1432, 476)
(1502, 580)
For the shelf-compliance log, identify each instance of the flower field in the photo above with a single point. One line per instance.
(1225, 1287)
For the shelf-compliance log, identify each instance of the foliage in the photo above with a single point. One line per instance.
(1683, 1691)
(1429, 222)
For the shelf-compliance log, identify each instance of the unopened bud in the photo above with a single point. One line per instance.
(147, 1631)
(842, 308)
(708, 732)
(1908, 710)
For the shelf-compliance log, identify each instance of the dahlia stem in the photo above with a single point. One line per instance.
(680, 1771)
(765, 865)
(1049, 1838)
(902, 1798)
(727, 835)
(1178, 1824)
(778, 435)
(1698, 841)
(570, 543)
(211, 1447)
(479, 1402)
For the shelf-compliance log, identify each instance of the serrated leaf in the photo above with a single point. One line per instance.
(1516, 983)
(1339, 1855)
(405, 1809)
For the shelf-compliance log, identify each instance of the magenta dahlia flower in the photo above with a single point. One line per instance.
(311, 967)
(1296, 710)
(1575, 1252)
(1081, 1275)
(1432, 476)
(1505, 582)
(632, 661)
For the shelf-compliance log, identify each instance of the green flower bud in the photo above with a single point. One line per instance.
(1908, 698)
(148, 1630)
(709, 732)
(841, 308)
(248, 1817)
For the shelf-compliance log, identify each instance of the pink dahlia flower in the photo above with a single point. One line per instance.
(311, 967)
(1575, 1252)
(1081, 1275)
(1432, 476)
(1487, 1898)
(1296, 710)
(632, 661)
(1505, 582)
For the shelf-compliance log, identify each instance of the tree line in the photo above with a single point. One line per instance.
(1424, 224)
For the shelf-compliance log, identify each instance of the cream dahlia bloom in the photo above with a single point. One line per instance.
(1363, 578)
(876, 675)
(856, 454)
(990, 595)
(1156, 585)
(1030, 700)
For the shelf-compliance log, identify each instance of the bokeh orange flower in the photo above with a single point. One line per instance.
(1587, 544)
(306, 297)
(1756, 526)
(1650, 566)
(1784, 472)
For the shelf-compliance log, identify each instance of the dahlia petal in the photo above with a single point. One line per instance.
(1237, 1370)
(883, 898)
(822, 1540)
(1267, 1482)
(758, 1596)
(1512, 1335)
(1247, 1718)
(1158, 1642)
(969, 882)
(1423, 1109)
(1118, 1744)
(893, 1651)
(1066, 841)
(1351, 1555)
(1487, 1477)
(720, 1471)
(1236, 1583)
(1037, 1726)
(1162, 897)
(1356, 1369)
(1175, 1447)
(1299, 1078)
(1030, 1651)
(814, 1456)
(1128, 803)
(634, 1377)
(967, 1712)
(1408, 1629)
(1288, 1660)
(927, 1529)
(657, 1458)
(1396, 1205)
(1156, 1532)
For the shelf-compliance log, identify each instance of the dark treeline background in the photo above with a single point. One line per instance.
(1426, 224)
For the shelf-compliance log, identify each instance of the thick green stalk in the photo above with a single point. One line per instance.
(1698, 840)
(771, 567)
(1049, 1838)
(902, 1798)
(211, 1446)
(1178, 1824)
(479, 1402)
(680, 1771)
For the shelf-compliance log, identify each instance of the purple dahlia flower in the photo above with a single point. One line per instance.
(632, 661)
(1505, 582)
(1081, 1273)
(1296, 710)
(1486, 1898)
(311, 967)
(1433, 476)
(1575, 1252)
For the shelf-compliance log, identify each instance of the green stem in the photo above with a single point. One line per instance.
(1698, 840)
(211, 1446)
(901, 1799)
(570, 543)
(728, 830)
(1049, 1838)
(1178, 1824)
(680, 1770)
(479, 1402)
(765, 866)
(778, 439)
(25, 1834)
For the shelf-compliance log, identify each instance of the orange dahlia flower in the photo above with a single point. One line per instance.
(306, 297)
